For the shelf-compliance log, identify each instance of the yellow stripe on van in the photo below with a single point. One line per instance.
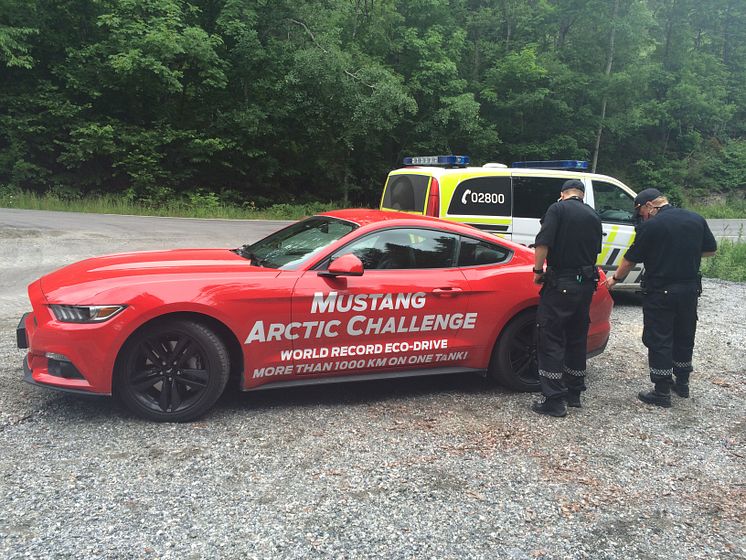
(607, 245)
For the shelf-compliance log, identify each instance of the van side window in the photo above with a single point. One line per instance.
(533, 195)
(406, 193)
(612, 203)
(474, 252)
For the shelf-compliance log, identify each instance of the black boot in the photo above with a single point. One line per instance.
(681, 386)
(551, 407)
(681, 389)
(659, 396)
(573, 399)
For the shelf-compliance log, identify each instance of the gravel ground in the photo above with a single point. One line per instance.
(447, 467)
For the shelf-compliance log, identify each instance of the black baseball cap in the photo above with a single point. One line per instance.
(573, 184)
(646, 196)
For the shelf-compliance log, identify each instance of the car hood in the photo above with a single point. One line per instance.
(101, 273)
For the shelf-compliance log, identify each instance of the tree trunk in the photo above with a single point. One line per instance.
(726, 34)
(508, 24)
(609, 63)
(669, 33)
(476, 61)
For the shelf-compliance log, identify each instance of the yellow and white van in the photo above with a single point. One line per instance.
(509, 201)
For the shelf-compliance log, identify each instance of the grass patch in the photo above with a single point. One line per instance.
(194, 207)
(729, 263)
(731, 210)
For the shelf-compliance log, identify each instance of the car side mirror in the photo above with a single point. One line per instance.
(346, 265)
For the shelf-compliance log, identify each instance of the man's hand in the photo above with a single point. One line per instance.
(621, 273)
(538, 278)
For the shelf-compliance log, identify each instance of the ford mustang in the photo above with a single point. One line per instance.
(341, 296)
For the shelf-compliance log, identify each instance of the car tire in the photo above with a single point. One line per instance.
(172, 371)
(513, 362)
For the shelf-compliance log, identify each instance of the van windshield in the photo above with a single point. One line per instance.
(406, 193)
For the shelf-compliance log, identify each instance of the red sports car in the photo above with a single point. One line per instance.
(345, 295)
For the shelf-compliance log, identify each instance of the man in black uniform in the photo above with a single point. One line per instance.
(671, 247)
(569, 241)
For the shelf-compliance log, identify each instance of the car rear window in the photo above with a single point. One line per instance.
(406, 193)
(474, 252)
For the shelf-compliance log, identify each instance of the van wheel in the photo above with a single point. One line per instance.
(513, 362)
(172, 371)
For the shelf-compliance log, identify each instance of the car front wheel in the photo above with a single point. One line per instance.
(172, 371)
(513, 361)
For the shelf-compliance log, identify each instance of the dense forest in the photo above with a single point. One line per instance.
(264, 101)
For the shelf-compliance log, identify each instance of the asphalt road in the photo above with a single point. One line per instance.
(25, 235)
(448, 467)
(191, 230)
(734, 230)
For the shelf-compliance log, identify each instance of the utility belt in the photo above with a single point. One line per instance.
(568, 277)
(669, 285)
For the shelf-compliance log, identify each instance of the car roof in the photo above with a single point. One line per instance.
(368, 217)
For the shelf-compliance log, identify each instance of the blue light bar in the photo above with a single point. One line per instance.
(567, 164)
(438, 160)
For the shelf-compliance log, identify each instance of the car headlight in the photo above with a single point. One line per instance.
(85, 313)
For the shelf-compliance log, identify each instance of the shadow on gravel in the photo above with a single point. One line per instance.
(359, 392)
(103, 410)
(62, 407)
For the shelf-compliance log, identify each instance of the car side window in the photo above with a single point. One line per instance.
(533, 195)
(398, 249)
(474, 252)
(612, 203)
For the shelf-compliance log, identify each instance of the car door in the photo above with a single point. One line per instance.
(615, 206)
(408, 311)
(497, 290)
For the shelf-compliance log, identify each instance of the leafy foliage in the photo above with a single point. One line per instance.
(257, 103)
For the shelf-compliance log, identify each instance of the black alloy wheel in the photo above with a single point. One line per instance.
(513, 361)
(172, 371)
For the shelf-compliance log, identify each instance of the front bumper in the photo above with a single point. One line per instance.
(47, 364)
(28, 377)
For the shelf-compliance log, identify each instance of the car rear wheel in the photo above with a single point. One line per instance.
(513, 361)
(172, 371)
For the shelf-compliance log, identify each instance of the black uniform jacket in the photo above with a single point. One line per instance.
(670, 244)
(572, 231)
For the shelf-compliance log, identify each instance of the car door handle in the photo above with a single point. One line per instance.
(447, 291)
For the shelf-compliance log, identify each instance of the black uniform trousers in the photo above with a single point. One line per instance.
(669, 326)
(562, 324)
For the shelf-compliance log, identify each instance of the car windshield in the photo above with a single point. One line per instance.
(290, 247)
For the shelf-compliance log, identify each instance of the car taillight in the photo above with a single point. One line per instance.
(433, 202)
